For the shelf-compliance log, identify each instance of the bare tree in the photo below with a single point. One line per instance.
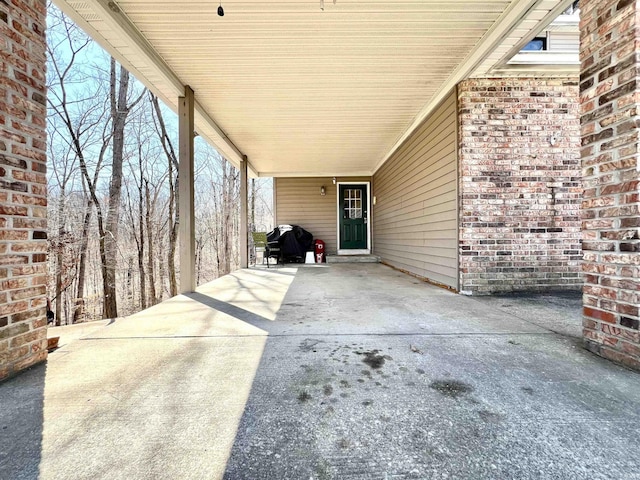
(174, 215)
(120, 109)
(114, 251)
(217, 218)
(72, 124)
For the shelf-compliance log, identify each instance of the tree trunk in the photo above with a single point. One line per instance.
(119, 112)
(173, 234)
(174, 212)
(252, 218)
(78, 310)
(143, 286)
(59, 258)
(150, 250)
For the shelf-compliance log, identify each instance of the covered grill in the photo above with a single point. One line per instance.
(292, 240)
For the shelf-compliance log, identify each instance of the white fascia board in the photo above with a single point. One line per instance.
(117, 21)
(360, 173)
(545, 58)
(506, 23)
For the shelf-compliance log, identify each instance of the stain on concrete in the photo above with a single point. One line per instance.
(322, 470)
(374, 359)
(451, 388)
(328, 390)
(309, 344)
(490, 417)
(527, 390)
(304, 396)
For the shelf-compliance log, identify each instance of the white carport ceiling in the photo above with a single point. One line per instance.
(302, 91)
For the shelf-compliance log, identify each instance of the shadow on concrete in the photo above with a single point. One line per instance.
(280, 270)
(232, 310)
(522, 403)
(557, 311)
(401, 380)
(21, 424)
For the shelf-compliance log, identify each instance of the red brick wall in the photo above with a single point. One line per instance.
(609, 97)
(520, 188)
(23, 191)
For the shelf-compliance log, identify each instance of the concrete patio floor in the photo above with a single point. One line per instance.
(328, 372)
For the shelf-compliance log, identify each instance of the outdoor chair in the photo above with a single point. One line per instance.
(260, 244)
(273, 250)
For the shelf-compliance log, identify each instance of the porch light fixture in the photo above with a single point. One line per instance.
(323, 191)
(334, 180)
(220, 10)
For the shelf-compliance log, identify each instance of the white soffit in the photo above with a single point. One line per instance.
(506, 59)
(302, 91)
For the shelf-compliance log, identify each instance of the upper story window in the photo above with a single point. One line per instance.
(538, 44)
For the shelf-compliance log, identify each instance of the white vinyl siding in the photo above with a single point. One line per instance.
(564, 42)
(415, 222)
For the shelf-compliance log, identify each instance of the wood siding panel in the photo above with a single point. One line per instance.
(298, 202)
(415, 219)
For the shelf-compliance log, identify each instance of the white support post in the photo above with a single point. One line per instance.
(244, 216)
(186, 230)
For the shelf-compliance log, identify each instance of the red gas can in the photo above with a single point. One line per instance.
(319, 251)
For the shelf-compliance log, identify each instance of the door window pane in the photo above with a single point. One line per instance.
(352, 203)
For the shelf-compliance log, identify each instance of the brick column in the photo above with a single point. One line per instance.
(610, 163)
(23, 190)
(520, 190)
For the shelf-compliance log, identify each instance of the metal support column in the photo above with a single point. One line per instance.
(186, 230)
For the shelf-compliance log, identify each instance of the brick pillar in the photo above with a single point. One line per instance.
(611, 170)
(520, 190)
(23, 190)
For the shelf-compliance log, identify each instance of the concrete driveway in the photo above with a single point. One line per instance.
(350, 371)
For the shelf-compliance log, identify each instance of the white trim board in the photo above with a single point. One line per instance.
(342, 251)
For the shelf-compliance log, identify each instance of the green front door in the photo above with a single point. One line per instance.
(353, 217)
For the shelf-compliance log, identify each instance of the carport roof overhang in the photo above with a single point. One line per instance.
(303, 91)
